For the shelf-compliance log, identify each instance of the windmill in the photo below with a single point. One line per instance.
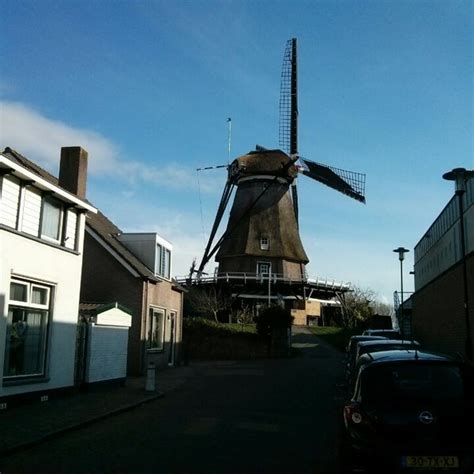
(262, 235)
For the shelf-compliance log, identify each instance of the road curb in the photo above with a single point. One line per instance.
(76, 426)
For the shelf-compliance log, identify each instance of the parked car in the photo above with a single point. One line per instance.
(352, 347)
(411, 411)
(367, 347)
(388, 333)
(355, 339)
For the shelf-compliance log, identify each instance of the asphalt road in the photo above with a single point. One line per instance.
(269, 416)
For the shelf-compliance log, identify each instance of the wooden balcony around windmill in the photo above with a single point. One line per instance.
(276, 280)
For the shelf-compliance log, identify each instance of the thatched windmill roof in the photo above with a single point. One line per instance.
(272, 217)
(264, 162)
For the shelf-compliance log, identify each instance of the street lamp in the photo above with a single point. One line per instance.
(460, 176)
(401, 256)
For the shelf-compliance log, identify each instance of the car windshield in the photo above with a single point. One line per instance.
(389, 334)
(391, 382)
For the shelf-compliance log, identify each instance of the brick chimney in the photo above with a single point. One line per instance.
(73, 170)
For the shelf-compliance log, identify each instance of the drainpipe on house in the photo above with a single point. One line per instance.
(143, 323)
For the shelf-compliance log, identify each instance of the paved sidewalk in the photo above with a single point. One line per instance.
(26, 425)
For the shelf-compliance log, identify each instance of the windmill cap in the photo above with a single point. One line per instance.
(264, 162)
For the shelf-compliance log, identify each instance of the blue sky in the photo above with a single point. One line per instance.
(385, 88)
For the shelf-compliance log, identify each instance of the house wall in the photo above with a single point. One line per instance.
(144, 246)
(105, 279)
(61, 269)
(21, 210)
(162, 295)
(305, 309)
(440, 247)
(438, 319)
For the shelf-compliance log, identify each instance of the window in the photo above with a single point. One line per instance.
(27, 329)
(18, 291)
(159, 251)
(51, 219)
(155, 336)
(166, 263)
(263, 268)
(393, 384)
(163, 261)
(264, 243)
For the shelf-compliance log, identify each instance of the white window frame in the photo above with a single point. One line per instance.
(259, 271)
(152, 310)
(160, 260)
(61, 220)
(24, 284)
(264, 243)
(29, 305)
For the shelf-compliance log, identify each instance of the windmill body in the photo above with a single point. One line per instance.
(262, 233)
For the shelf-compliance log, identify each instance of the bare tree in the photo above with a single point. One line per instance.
(360, 304)
(383, 309)
(209, 301)
(356, 306)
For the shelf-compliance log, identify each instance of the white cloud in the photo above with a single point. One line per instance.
(41, 138)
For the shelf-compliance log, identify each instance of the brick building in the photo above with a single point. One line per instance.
(134, 269)
(439, 320)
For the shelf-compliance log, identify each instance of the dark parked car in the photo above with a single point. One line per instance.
(411, 411)
(352, 348)
(388, 333)
(383, 345)
(355, 339)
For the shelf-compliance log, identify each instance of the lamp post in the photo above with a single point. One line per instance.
(401, 256)
(460, 176)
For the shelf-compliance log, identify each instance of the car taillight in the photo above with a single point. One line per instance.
(352, 414)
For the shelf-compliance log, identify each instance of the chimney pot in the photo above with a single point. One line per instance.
(73, 170)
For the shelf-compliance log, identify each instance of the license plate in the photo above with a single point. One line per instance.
(431, 462)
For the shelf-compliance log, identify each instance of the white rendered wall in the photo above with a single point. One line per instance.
(144, 246)
(30, 259)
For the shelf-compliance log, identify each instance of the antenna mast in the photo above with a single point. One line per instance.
(229, 138)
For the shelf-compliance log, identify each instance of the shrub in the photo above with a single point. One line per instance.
(206, 339)
(273, 317)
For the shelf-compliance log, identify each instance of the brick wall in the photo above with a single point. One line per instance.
(163, 296)
(106, 353)
(438, 312)
(105, 280)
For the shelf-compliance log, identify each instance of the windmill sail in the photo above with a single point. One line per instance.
(350, 183)
(288, 126)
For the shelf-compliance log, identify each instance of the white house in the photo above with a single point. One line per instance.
(42, 221)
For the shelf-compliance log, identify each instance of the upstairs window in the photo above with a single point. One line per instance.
(163, 262)
(51, 222)
(264, 243)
